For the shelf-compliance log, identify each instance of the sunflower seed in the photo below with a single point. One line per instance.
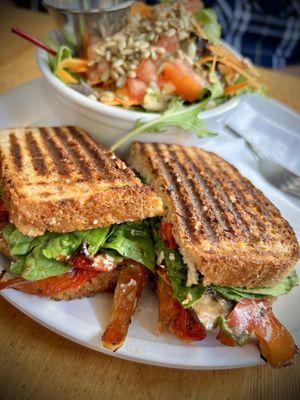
(110, 44)
(105, 76)
(108, 55)
(158, 30)
(120, 70)
(154, 55)
(114, 75)
(126, 52)
(121, 82)
(92, 97)
(131, 74)
(151, 36)
(117, 63)
(160, 50)
(171, 32)
(107, 96)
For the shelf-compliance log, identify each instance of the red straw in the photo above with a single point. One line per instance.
(33, 40)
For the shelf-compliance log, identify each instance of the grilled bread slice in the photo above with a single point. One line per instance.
(225, 227)
(59, 179)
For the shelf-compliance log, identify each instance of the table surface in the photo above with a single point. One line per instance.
(36, 363)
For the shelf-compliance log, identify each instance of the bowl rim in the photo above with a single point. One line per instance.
(121, 6)
(115, 111)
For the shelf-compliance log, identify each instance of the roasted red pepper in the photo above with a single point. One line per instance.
(95, 263)
(166, 233)
(256, 316)
(53, 285)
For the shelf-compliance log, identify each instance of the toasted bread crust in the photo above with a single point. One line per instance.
(223, 225)
(59, 179)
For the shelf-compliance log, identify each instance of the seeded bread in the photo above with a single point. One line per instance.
(59, 179)
(226, 229)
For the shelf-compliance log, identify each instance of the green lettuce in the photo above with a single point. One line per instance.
(133, 240)
(236, 293)
(209, 20)
(36, 258)
(177, 272)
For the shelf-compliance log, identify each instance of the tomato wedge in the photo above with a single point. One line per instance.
(136, 89)
(146, 71)
(180, 321)
(53, 285)
(166, 233)
(96, 263)
(182, 76)
(4, 215)
(170, 44)
(256, 316)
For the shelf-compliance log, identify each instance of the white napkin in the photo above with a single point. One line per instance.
(271, 128)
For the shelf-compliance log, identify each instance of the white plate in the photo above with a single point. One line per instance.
(83, 321)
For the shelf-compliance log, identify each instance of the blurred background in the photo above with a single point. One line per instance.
(265, 31)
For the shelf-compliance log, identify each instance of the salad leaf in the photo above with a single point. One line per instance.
(67, 243)
(177, 272)
(17, 266)
(18, 243)
(216, 88)
(133, 240)
(177, 114)
(37, 266)
(209, 20)
(236, 293)
(62, 53)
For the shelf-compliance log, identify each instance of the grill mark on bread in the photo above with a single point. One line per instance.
(15, 152)
(256, 195)
(180, 201)
(231, 179)
(102, 157)
(57, 154)
(210, 199)
(195, 200)
(70, 144)
(229, 205)
(37, 157)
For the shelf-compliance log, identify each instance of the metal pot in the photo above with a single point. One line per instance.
(83, 21)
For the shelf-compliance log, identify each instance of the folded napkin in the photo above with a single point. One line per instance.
(271, 128)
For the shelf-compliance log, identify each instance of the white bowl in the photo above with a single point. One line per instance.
(110, 123)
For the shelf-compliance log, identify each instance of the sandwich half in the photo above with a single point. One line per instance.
(74, 218)
(224, 252)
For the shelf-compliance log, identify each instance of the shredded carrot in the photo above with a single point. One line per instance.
(229, 90)
(139, 8)
(205, 60)
(213, 66)
(240, 71)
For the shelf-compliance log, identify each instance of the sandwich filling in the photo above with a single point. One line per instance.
(189, 310)
(53, 262)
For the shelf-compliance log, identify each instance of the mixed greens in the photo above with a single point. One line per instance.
(47, 255)
(167, 59)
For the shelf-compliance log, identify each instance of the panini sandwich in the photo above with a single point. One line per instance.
(73, 219)
(224, 252)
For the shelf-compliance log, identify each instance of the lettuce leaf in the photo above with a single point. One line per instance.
(177, 272)
(133, 240)
(37, 266)
(209, 20)
(18, 243)
(66, 244)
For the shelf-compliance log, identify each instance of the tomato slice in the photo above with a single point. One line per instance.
(146, 71)
(255, 315)
(187, 324)
(4, 215)
(136, 88)
(95, 72)
(182, 76)
(53, 285)
(96, 263)
(166, 233)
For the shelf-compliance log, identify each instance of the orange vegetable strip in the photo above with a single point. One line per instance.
(205, 59)
(65, 76)
(131, 281)
(74, 64)
(234, 88)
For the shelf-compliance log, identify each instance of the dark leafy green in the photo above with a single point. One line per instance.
(133, 240)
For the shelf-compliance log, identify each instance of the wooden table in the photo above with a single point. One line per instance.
(38, 364)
